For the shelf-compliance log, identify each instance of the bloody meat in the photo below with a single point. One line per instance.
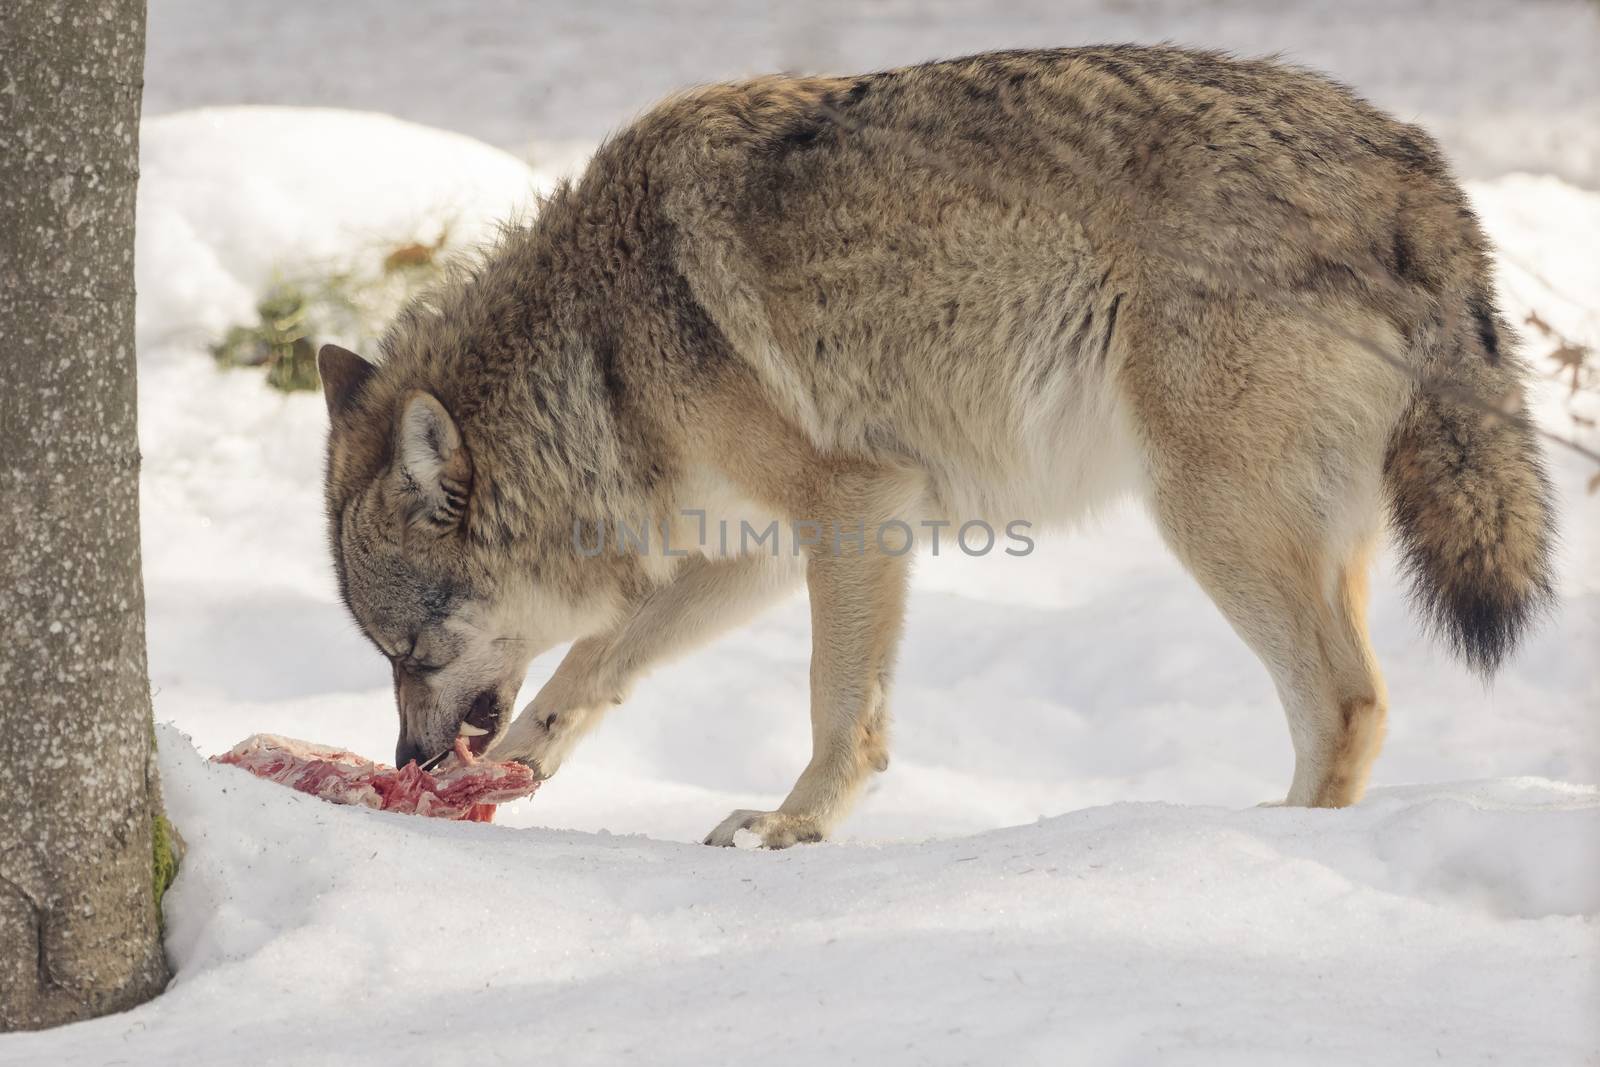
(468, 788)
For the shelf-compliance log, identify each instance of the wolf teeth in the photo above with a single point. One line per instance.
(469, 730)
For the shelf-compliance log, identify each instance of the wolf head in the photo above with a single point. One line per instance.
(458, 621)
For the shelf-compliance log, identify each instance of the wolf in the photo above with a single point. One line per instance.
(1017, 284)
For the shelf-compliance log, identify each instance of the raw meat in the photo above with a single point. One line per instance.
(468, 788)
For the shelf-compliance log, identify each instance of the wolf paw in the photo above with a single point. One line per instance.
(541, 739)
(775, 828)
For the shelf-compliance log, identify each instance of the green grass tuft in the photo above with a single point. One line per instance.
(348, 302)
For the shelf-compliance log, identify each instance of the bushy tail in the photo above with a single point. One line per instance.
(1470, 499)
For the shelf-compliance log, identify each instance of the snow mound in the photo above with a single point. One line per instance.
(1106, 935)
(229, 196)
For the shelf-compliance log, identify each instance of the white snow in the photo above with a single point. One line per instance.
(231, 198)
(1438, 923)
(1064, 862)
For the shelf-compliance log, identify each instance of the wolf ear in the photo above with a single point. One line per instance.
(343, 373)
(435, 471)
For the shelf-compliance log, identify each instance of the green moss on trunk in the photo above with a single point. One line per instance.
(165, 859)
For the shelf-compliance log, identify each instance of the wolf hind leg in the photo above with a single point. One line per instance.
(1264, 437)
(1301, 608)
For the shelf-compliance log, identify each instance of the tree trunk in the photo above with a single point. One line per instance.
(81, 833)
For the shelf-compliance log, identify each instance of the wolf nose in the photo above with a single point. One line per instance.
(405, 751)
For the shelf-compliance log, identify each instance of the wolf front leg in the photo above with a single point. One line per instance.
(857, 606)
(705, 598)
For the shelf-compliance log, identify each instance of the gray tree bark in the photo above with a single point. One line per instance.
(81, 836)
